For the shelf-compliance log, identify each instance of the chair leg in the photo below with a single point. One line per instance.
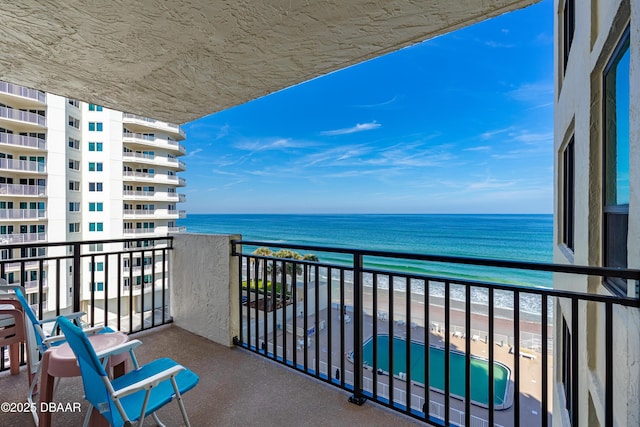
(32, 391)
(180, 403)
(158, 422)
(14, 358)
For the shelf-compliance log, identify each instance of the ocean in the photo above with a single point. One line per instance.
(505, 237)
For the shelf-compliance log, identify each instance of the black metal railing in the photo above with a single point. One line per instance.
(90, 276)
(404, 331)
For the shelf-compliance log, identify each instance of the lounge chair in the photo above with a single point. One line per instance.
(135, 395)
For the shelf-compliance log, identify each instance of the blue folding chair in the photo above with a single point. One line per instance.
(135, 395)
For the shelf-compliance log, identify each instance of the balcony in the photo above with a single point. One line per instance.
(23, 190)
(136, 123)
(29, 214)
(23, 141)
(133, 139)
(31, 120)
(328, 319)
(8, 239)
(132, 213)
(154, 195)
(22, 165)
(23, 96)
(146, 158)
(141, 231)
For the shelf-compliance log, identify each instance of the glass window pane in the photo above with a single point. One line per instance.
(617, 128)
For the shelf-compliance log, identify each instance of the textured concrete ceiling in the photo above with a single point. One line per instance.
(181, 60)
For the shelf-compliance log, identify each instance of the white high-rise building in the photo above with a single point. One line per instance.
(72, 171)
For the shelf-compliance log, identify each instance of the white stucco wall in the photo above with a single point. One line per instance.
(204, 295)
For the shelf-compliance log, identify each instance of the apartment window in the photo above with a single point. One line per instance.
(74, 206)
(616, 162)
(98, 286)
(95, 207)
(74, 185)
(95, 186)
(94, 107)
(568, 195)
(74, 143)
(95, 126)
(95, 167)
(74, 165)
(95, 226)
(96, 247)
(98, 266)
(95, 146)
(569, 27)
(74, 102)
(74, 227)
(567, 368)
(73, 122)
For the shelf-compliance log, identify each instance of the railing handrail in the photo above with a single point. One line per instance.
(173, 127)
(23, 116)
(25, 165)
(22, 140)
(23, 91)
(628, 273)
(23, 189)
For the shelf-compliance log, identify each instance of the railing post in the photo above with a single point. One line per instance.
(76, 276)
(357, 396)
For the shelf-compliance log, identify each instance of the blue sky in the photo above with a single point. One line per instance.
(462, 123)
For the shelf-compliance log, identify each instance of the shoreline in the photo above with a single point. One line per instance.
(530, 326)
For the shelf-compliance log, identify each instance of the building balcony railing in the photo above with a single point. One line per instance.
(154, 195)
(181, 229)
(23, 92)
(22, 165)
(153, 141)
(155, 124)
(23, 190)
(359, 326)
(138, 212)
(182, 214)
(153, 159)
(12, 214)
(7, 239)
(433, 337)
(23, 116)
(92, 290)
(138, 231)
(133, 174)
(23, 141)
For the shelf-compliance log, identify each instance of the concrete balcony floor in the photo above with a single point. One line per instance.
(236, 388)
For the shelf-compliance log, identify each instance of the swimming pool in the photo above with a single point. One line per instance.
(479, 369)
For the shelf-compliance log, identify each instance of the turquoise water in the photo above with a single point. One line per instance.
(479, 369)
(506, 237)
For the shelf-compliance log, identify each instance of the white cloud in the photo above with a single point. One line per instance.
(360, 127)
(478, 148)
(273, 144)
(194, 152)
(492, 133)
(533, 92)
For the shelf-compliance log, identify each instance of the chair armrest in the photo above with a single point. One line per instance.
(71, 316)
(149, 382)
(13, 302)
(50, 340)
(119, 349)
